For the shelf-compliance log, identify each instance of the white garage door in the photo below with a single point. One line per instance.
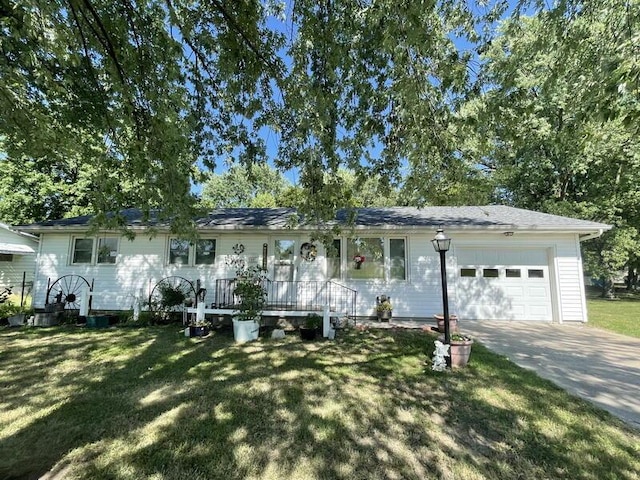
(508, 284)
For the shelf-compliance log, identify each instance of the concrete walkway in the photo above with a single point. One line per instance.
(600, 366)
(597, 365)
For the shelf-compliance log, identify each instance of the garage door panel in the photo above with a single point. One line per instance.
(523, 297)
(514, 291)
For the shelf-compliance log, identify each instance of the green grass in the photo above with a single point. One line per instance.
(150, 403)
(621, 315)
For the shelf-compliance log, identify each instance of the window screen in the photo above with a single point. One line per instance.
(206, 252)
(107, 250)
(397, 258)
(82, 250)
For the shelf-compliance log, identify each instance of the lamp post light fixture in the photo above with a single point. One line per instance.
(441, 244)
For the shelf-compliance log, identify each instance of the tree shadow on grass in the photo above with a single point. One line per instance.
(364, 406)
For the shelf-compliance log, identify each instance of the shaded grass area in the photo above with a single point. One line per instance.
(150, 403)
(621, 315)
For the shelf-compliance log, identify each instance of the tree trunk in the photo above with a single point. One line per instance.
(607, 288)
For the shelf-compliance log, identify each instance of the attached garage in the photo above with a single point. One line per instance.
(505, 284)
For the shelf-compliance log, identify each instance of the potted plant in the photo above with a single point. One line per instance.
(384, 308)
(17, 316)
(453, 322)
(199, 329)
(252, 296)
(309, 329)
(460, 349)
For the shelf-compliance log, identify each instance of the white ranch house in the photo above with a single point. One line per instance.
(504, 263)
(17, 259)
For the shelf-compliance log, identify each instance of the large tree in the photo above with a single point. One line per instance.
(140, 89)
(557, 123)
(147, 91)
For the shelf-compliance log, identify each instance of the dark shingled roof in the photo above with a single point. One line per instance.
(479, 217)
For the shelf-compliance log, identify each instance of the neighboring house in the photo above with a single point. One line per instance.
(17, 259)
(504, 263)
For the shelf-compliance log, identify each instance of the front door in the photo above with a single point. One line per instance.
(284, 258)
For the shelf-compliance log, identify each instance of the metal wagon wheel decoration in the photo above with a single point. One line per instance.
(68, 290)
(170, 292)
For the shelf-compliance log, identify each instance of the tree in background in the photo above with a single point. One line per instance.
(262, 186)
(556, 125)
(257, 185)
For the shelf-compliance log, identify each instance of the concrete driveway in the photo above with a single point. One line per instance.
(597, 365)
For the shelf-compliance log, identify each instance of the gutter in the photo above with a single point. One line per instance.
(590, 236)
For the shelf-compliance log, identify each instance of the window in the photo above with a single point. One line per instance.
(512, 273)
(205, 252)
(82, 250)
(365, 258)
(333, 259)
(107, 250)
(178, 252)
(183, 252)
(397, 257)
(6, 257)
(467, 272)
(102, 252)
(490, 272)
(535, 273)
(368, 258)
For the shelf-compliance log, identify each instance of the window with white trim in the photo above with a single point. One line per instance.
(183, 252)
(82, 250)
(368, 258)
(333, 259)
(104, 251)
(107, 250)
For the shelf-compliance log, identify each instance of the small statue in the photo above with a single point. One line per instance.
(439, 354)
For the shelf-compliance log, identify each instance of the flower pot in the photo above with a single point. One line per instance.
(198, 330)
(460, 352)
(97, 321)
(245, 330)
(384, 315)
(307, 333)
(16, 320)
(453, 323)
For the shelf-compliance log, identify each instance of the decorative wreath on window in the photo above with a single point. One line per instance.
(308, 251)
(238, 248)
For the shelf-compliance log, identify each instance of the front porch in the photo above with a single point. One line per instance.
(284, 299)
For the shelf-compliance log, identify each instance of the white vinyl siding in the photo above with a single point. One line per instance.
(12, 273)
(570, 282)
(142, 262)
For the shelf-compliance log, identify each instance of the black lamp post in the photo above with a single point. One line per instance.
(441, 243)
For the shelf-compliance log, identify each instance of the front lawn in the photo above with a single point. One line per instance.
(150, 403)
(621, 315)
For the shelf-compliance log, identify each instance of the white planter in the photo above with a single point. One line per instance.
(16, 320)
(245, 330)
